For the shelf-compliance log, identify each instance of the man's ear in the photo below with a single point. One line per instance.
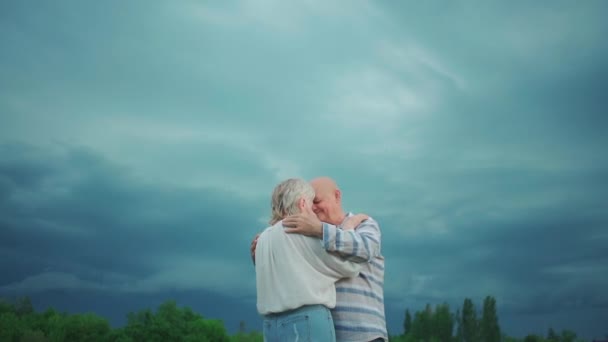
(338, 195)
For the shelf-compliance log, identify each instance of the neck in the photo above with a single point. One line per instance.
(338, 218)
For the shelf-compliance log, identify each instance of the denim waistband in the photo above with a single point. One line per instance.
(301, 309)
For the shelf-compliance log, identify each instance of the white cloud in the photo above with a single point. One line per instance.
(371, 98)
(413, 60)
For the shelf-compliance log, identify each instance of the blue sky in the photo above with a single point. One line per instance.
(140, 142)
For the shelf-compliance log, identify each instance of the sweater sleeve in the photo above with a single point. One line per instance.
(337, 267)
(359, 245)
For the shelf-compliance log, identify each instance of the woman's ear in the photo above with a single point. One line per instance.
(302, 204)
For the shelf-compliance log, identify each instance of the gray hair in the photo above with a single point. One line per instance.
(286, 195)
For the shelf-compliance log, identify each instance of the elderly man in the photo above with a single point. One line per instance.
(359, 312)
(295, 276)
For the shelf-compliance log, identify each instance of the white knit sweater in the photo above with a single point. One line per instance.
(293, 270)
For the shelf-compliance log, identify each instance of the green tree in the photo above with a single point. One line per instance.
(24, 306)
(533, 338)
(20, 323)
(552, 336)
(407, 323)
(138, 323)
(407, 338)
(458, 319)
(443, 323)
(170, 323)
(6, 307)
(10, 327)
(506, 338)
(568, 336)
(119, 335)
(253, 336)
(469, 322)
(207, 330)
(422, 326)
(33, 336)
(82, 327)
(46, 318)
(489, 328)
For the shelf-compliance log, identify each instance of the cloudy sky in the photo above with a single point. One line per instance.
(140, 142)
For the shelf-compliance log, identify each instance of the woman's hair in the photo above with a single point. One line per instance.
(285, 198)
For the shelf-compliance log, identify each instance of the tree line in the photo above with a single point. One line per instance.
(439, 324)
(19, 322)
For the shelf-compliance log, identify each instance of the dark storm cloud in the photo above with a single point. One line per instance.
(88, 216)
(154, 133)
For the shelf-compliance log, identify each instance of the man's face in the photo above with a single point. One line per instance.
(324, 203)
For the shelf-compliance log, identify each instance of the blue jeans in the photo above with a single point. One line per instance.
(310, 323)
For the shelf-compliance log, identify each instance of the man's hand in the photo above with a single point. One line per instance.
(353, 221)
(305, 223)
(254, 244)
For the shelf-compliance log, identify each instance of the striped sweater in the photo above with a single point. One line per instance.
(359, 312)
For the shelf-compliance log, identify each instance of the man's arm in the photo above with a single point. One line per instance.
(360, 245)
(254, 244)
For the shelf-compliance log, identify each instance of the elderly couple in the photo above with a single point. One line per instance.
(319, 270)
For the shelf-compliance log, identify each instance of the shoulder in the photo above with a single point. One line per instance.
(370, 221)
(369, 226)
(267, 231)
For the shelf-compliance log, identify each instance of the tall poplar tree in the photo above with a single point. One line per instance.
(469, 322)
(489, 328)
(407, 323)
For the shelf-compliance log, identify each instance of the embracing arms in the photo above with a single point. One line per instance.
(360, 245)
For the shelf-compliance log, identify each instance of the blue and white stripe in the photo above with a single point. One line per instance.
(359, 312)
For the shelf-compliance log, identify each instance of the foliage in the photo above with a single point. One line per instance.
(440, 325)
(470, 328)
(253, 336)
(443, 323)
(19, 322)
(489, 330)
(407, 323)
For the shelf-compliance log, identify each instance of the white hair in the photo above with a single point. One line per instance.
(286, 195)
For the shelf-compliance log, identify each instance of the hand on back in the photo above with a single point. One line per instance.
(254, 244)
(353, 221)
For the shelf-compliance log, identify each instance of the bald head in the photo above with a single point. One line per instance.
(324, 183)
(328, 200)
